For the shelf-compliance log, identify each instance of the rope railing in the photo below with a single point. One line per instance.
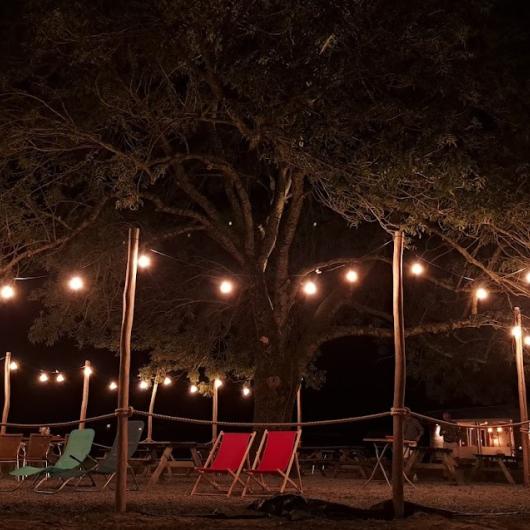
(524, 425)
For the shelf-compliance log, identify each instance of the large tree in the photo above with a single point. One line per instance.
(221, 129)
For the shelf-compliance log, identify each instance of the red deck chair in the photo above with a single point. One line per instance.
(228, 456)
(277, 458)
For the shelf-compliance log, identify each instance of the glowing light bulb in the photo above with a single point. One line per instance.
(527, 277)
(310, 288)
(59, 378)
(499, 429)
(167, 381)
(144, 385)
(226, 287)
(113, 385)
(13, 365)
(217, 383)
(517, 331)
(527, 340)
(417, 268)
(87, 370)
(7, 292)
(481, 293)
(351, 276)
(246, 391)
(76, 283)
(194, 389)
(490, 429)
(144, 261)
(43, 377)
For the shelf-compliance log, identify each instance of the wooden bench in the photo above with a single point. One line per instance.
(494, 464)
(439, 459)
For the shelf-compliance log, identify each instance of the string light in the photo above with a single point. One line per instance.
(226, 287)
(76, 283)
(113, 385)
(527, 340)
(13, 365)
(144, 261)
(7, 292)
(417, 268)
(481, 293)
(87, 371)
(217, 383)
(517, 331)
(310, 288)
(194, 389)
(59, 378)
(167, 381)
(351, 276)
(245, 391)
(144, 385)
(43, 377)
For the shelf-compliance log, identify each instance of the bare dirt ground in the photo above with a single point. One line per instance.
(167, 505)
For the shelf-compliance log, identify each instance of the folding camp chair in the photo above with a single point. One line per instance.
(37, 450)
(228, 456)
(108, 465)
(277, 454)
(65, 469)
(10, 445)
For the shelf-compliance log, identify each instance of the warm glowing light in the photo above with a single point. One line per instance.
(351, 276)
(499, 429)
(226, 287)
(194, 389)
(490, 429)
(43, 377)
(217, 383)
(527, 277)
(76, 283)
(527, 340)
(7, 292)
(481, 293)
(144, 261)
(246, 391)
(13, 365)
(517, 331)
(167, 381)
(113, 385)
(310, 288)
(144, 385)
(417, 268)
(87, 371)
(60, 378)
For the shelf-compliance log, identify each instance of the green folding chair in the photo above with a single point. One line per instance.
(72, 460)
(108, 465)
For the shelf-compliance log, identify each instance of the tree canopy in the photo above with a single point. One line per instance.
(233, 133)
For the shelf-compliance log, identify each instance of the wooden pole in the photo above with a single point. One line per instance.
(151, 410)
(215, 411)
(523, 404)
(299, 407)
(84, 401)
(129, 293)
(7, 391)
(398, 498)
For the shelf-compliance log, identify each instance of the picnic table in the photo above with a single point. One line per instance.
(336, 457)
(494, 463)
(163, 455)
(381, 446)
(439, 459)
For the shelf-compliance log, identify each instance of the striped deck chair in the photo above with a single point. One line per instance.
(228, 456)
(276, 456)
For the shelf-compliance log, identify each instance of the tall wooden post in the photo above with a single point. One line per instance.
(398, 498)
(84, 401)
(129, 292)
(7, 391)
(523, 404)
(151, 410)
(299, 407)
(215, 411)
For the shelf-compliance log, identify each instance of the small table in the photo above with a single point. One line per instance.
(336, 457)
(440, 459)
(492, 463)
(167, 460)
(381, 446)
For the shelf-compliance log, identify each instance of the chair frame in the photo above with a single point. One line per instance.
(25, 449)
(255, 475)
(236, 477)
(18, 457)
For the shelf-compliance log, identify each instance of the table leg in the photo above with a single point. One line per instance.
(506, 472)
(162, 464)
(379, 464)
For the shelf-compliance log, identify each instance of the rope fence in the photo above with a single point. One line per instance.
(524, 425)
